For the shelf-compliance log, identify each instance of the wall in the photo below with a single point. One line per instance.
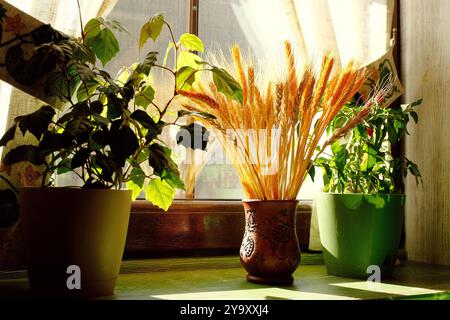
(425, 56)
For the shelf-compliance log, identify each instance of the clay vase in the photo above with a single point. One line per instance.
(270, 251)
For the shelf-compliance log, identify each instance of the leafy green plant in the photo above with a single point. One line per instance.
(112, 126)
(363, 161)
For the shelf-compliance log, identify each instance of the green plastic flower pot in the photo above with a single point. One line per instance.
(358, 231)
(66, 227)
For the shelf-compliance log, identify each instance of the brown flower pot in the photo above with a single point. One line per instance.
(270, 251)
(63, 227)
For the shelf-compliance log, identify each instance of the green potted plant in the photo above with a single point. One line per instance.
(270, 132)
(109, 137)
(361, 213)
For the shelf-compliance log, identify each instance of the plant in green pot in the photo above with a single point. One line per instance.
(361, 212)
(110, 138)
(270, 126)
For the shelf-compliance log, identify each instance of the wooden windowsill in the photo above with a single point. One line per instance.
(206, 226)
(223, 278)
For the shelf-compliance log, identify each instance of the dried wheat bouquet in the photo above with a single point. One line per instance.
(272, 133)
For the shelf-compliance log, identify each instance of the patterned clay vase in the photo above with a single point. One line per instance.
(270, 251)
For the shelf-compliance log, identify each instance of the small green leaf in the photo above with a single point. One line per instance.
(151, 29)
(92, 28)
(160, 193)
(226, 84)
(192, 42)
(145, 96)
(417, 103)
(185, 77)
(312, 172)
(166, 55)
(369, 158)
(414, 116)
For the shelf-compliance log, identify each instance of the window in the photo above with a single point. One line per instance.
(220, 24)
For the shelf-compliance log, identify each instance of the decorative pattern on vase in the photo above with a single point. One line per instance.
(270, 246)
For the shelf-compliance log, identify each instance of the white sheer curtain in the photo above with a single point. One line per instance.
(347, 29)
(62, 15)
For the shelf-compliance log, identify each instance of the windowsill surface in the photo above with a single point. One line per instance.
(223, 278)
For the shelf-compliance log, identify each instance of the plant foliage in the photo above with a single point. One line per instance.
(364, 161)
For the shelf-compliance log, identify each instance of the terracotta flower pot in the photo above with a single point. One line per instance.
(270, 251)
(65, 227)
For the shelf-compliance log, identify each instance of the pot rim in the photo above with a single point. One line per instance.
(363, 194)
(259, 200)
(68, 189)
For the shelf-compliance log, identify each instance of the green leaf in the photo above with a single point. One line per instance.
(143, 118)
(166, 55)
(137, 181)
(159, 158)
(86, 91)
(369, 158)
(188, 59)
(192, 42)
(145, 96)
(336, 147)
(37, 122)
(138, 176)
(151, 29)
(172, 176)
(417, 103)
(64, 166)
(104, 45)
(226, 84)
(92, 28)
(414, 116)
(78, 127)
(185, 77)
(52, 142)
(123, 143)
(28, 153)
(312, 172)
(80, 158)
(149, 61)
(135, 189)
(160, 193)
